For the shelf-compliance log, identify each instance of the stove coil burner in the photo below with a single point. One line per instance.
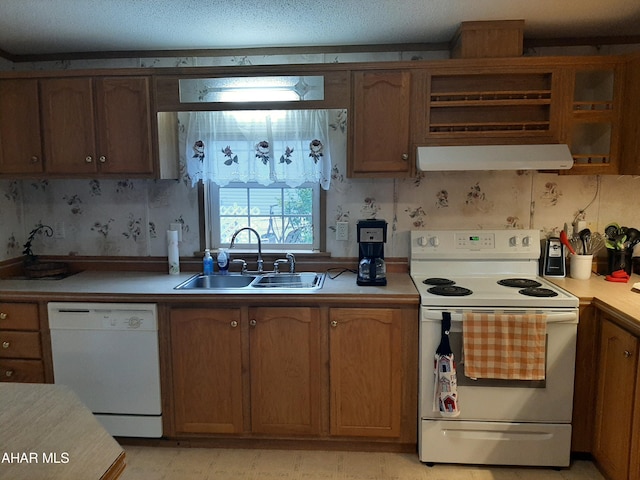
(519, 283)
(438, 281)
(538, 292)
(449, 291)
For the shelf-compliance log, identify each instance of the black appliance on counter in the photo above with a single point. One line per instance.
(554, 258)
(372, 235)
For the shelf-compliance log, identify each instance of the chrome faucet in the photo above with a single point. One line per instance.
(291, 260)
(260, 261)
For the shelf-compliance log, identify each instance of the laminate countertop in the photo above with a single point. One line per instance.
(48, 433)
(620, 299)
(149, 286)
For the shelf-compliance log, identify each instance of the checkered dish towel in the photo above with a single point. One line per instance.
(504, 346)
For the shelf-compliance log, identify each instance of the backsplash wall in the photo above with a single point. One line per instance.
(129, 217)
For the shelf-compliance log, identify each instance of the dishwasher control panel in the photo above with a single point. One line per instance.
(103, 316)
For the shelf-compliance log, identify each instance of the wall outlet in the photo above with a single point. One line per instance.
(178, 228)
(342, 231)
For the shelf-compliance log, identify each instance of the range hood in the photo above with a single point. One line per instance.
(495, 157)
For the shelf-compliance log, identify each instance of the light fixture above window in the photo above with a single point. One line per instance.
(252, 89)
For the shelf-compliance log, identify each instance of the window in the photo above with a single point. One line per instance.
(286, 218)
(261, 169)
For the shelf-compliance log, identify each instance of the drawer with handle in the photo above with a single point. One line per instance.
(23, 371)
(20, 344)
(19, 316)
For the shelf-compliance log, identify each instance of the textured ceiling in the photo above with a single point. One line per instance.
(29, 27)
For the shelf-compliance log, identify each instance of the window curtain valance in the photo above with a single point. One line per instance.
(259, 146)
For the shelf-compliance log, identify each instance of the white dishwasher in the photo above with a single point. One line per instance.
(107, 353)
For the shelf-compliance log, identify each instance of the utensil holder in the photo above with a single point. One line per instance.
(619, 260)
(580, 266)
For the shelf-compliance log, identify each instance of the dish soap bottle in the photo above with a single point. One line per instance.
(223, 261)
(207, 263)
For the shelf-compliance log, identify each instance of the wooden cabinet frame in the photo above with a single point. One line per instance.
(79, 124)
(492, 105)
(519, 100)
(314, 323)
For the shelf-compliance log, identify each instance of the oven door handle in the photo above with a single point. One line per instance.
(552, 317)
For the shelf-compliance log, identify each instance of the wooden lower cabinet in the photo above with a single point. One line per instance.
(208, 358)
(206, 362)
(584, 392)
(616, 401)
(284, 347)
(365, 371)
(318, 373)
(21, 352)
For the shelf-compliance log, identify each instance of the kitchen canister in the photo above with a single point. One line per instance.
(580, 266)
(173, 255)
(619, 260)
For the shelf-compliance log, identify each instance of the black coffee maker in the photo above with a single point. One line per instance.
(372, 234)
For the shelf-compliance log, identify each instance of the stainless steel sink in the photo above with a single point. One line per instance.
(307, 280)
(210, 282)
(302, 280)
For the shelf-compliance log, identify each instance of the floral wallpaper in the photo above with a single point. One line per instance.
(126, 217)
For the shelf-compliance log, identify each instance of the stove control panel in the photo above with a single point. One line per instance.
(480, 244)
(476, 240)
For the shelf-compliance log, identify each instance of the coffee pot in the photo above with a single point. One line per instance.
(372, 234)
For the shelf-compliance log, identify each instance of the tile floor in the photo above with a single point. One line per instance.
(161, 463)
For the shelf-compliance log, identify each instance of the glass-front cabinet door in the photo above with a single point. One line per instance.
(593, 122)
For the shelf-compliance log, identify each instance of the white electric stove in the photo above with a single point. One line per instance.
(501, 422)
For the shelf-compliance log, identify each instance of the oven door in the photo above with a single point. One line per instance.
(548, 401)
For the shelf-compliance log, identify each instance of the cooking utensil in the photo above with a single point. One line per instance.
(596, 243)
(576, 243)
(565, 241)
(633, 237)
(619, 241)
(585, 236)
(612, 230)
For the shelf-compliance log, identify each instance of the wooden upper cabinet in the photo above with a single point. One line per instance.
(20, 140)
(630, 148)
(593, 121)
(380, 120)
(491, 105)
(124, 125)
(68, 125)
(100, 125)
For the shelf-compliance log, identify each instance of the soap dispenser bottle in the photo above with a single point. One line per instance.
(223, 261)
(207, 263)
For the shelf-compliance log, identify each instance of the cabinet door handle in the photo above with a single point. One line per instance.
(234, 324)
(627, 354)
(8, 373)
(6, 345)
(35, 159)
(88, 159)
(102, 159)
(3, 316)
(253, 323)
(334, 323)
(405, 156)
